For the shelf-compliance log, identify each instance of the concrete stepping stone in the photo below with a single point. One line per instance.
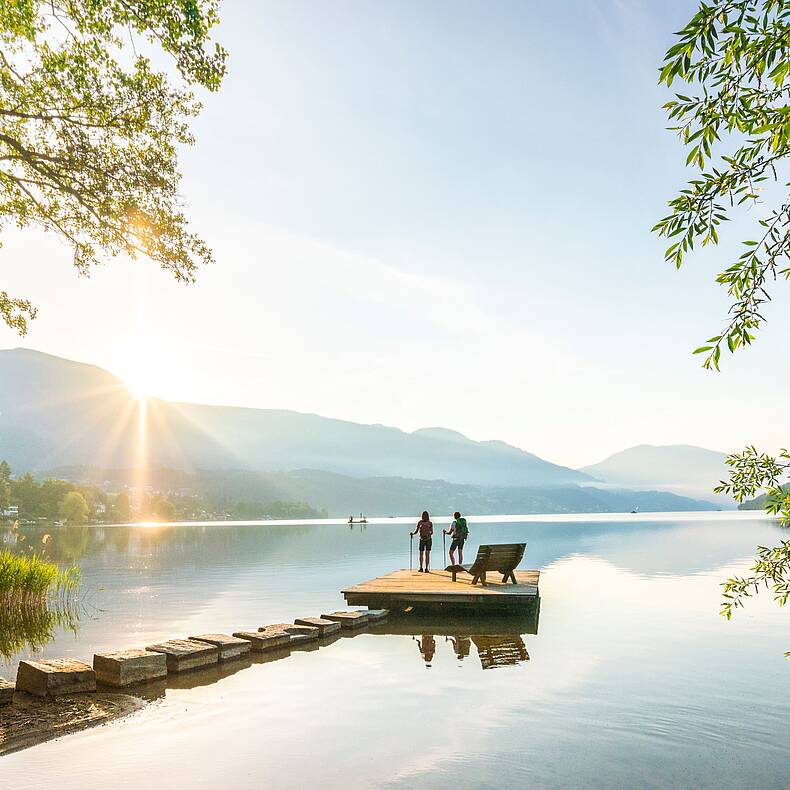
(261, 641)
(6, 691)
(125, 667)
(374, 615)
(229, 646)
(348, 619)
(298, 633)
(325, 627)
(185, 654)
(49, 677)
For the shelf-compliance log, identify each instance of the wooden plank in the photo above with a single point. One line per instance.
(441, 582)
(404, 587)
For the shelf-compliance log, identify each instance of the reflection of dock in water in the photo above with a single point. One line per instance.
(498, 639)
(419, 622)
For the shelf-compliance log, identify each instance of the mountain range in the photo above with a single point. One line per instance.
(340, 495)
(57, 413)
(680, 468)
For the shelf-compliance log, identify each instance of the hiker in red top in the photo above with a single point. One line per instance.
(425, 528)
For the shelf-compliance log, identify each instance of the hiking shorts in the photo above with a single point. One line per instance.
(426, 543)
(458, 543)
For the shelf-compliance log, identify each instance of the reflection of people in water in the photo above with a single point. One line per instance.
(461, 645)
(427, 646)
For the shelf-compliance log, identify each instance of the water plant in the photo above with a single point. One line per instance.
(36, 597)
(28, 579)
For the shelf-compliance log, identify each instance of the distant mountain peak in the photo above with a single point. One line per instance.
(500, 445)
(682, 468)
(442, 433)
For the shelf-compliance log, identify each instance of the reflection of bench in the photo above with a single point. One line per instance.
(500, 651)
(501, 557)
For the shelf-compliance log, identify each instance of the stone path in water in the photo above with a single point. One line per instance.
(53, 697)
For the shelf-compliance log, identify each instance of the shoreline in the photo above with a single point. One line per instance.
(596, 517)
(31, 721)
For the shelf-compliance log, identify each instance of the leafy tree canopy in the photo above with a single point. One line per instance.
(734, 120)
(73, 508)
(736, 125)
(90, 130)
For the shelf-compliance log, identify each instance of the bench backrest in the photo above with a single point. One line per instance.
(502, 557)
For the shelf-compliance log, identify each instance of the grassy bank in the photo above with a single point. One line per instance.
(32, 579)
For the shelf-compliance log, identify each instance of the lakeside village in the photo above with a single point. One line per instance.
(24, 499)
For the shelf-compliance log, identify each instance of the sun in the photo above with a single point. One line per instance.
(138, 376)
(139, 391)
(143, 367)
(138, 384)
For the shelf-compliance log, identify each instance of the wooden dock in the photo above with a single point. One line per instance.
(405, 588)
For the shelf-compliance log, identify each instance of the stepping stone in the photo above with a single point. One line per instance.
(229, 646)
(375, 614)
(6, 691)
(325, 627)
(52, 676)
(184, 654)
(261, 641)
(298, 633)
(124, 667)
(348, 619)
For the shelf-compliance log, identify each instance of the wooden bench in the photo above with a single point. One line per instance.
(500, 557)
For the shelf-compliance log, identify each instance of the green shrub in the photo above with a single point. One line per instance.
(31, 577)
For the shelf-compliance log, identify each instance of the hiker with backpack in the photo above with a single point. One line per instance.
(459, 529)
(425, 528)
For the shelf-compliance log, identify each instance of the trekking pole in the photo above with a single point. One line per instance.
(411, 544)
(444, 546)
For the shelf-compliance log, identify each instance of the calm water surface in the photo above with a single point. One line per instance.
(628, 679)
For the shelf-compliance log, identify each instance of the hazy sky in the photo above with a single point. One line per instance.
(432, 213)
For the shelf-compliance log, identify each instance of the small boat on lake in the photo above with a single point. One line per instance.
(360, 520)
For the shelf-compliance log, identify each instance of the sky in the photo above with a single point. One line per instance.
(432, 213)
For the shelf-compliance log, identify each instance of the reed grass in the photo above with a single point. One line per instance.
(27, 579)
(36, 597)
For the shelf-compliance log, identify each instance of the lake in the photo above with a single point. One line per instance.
(629, 678)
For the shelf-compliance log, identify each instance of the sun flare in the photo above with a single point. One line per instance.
(138, 385)
(138, 373)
